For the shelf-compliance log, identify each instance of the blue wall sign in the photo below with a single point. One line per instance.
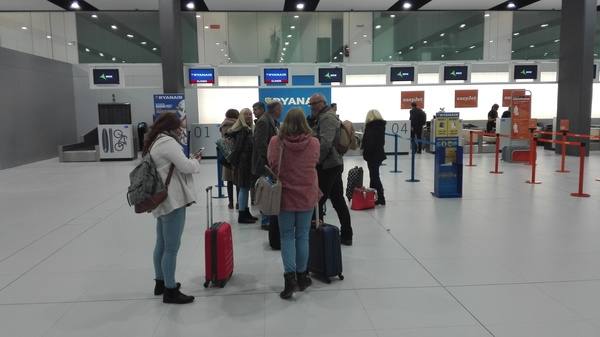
(173, 103)
(291, 97)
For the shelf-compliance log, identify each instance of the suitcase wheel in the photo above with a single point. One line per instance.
(222, 284)
(341, 277)
(327, 280)
(206, 284)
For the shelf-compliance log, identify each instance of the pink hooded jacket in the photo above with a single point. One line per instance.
(298, 174)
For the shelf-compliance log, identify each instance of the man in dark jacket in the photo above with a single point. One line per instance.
(258, 109)
(265, 128)
(331, 165)
(418, 118)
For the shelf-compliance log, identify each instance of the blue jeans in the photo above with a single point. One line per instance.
(293, 231)
(169, 229)
(243, 198)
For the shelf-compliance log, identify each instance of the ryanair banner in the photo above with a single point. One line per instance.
(291, 97)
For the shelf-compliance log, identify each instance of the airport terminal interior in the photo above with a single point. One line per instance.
(489, 226)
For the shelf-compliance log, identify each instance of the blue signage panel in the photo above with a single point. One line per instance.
(272, 76)
(402, 74)
(202, 76)
(291, 97)
(173, 103)
(456, 73)
(106, 76)
(330, 75)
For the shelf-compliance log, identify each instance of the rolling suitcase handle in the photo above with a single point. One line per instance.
(209, 207)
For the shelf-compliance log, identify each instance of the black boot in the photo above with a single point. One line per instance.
(290, 286)
(174, 296)
(304, 281)
(244, 217)
(250, 215)
(159, 288)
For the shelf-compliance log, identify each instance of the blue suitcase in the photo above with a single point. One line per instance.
(325, 252)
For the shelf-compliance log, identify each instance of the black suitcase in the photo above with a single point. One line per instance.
(355, 179)
(325, 252)
(274, 238)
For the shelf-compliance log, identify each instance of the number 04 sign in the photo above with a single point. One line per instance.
(400, 128)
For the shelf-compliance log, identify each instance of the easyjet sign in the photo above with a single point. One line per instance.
(466, 98)
(407, 97)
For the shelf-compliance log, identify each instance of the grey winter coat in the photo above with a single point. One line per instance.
(264, 129)
(327, 130)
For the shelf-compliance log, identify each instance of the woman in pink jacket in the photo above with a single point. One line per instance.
(299, 152)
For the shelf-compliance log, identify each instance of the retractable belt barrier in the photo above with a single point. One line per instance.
(497, 150)
(396, 137)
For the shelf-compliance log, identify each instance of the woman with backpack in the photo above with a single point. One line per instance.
(162, 144)
(231, 117)
(241, 159)
(373, 153)
(293, 156)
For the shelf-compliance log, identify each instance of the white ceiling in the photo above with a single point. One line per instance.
(275, 5)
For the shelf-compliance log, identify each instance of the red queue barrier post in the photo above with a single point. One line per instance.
(580, 194)
(470, 149)
(533, 162)
(563, 154)
(497, 164)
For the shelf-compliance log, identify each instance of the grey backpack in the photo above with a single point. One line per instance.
(146, 189)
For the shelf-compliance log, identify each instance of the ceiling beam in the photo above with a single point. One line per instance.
(415, 5)
(309, 5)
(518, 5)
(66, 4)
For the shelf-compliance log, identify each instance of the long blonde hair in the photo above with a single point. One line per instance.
(373, 115)
(294, 124)
(241, 121)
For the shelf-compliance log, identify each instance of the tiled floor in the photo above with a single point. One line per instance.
(508, 259)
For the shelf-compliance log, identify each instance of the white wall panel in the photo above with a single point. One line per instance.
(42, 46)
(59, 43)
(214, 102)
(71, 36)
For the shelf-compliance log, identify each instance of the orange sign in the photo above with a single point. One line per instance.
(521, 116)
(508, 94)
(465, 98)
(407, 97)
(533, 123)
(565, 124)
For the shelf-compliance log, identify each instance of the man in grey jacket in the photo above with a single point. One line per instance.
(265, 128)
(331, 165)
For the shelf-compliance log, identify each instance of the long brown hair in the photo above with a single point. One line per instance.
(166, 122)
(294, 124)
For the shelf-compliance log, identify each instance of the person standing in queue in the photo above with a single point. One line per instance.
(418, 119)
(264, 130)
(331, 165)
(299, 152)
(231, 117)
(241, 159)
(373, 151)
(162, 144)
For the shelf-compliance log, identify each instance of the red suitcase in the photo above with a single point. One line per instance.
(218, 248)
(363, 198)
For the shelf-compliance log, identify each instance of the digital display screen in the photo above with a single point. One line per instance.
(330, 75)
(527, 72)
(202, 76)
(276, 76)
(402, 74)
(456, 73)
(106, 76)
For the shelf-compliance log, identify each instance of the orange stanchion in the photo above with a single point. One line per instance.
(533, 163)
(470, 149)
(496, 171)
(580, 194)
(563, 154)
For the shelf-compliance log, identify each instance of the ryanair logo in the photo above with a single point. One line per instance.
(288, 100)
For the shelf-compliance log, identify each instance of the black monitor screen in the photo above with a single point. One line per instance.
(402, 74)
(527, 72)
(330, 75)
(106, 76)
(456, 73)
(273, 76)
(202, 76)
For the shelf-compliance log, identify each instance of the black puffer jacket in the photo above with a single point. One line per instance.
(241, 158)
(374, 141)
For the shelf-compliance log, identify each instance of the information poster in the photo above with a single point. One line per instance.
(407, 97)
(521, 116)
(174, 103)
(507, 95)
